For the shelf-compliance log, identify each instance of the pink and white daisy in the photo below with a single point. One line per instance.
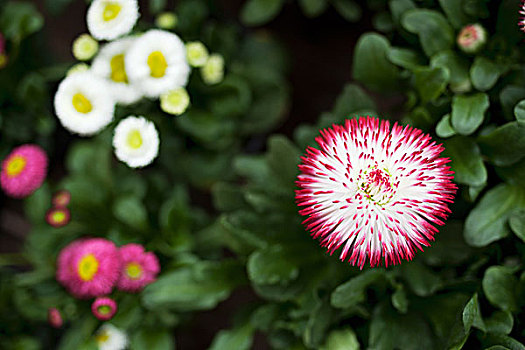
(88, 267)
(139, 268)
(54, 317)
(104, 308)
(58, 217)
(471, 38)
(61, 199)
(23, 171)
(375, 191)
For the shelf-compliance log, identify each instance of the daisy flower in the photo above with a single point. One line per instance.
(471, 38)
(213, 71)
(23, 171)
(139, 268)
(175, 101)
(110, 337)
(110, 65)
(136, 141)
(84, 104)
(84, 47)
(196, 53)
(104, 308)
(58, 217)
(61, 199)
(375, 191)
(54, 317)
(166, 20)
(157, 63)
(110, 19)
(3, 55)
(88, 268)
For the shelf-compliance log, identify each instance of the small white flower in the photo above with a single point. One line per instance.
(166, 20)
(213, 71)
(175, 101)
(136, 141)
(110, 65)
(197, 54)
(110, 337)
(84, 47)
(109, 19)
(157, 63)
(83, 103)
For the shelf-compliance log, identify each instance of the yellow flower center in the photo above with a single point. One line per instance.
(111, 11)
(81, 103)
(58, 216)
(104, 309)
(15, 166)
(102, 337)
(134, 270)
(87, 267)
(157, 64)
(118, 70)
(134, 139)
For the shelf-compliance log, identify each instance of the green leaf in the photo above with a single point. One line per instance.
(79, 333)
(270, 266)
(454, 11)
(517, 223)
(500, 287)
(472, 315)
(458, 68)
(351, 100)
(131, 211)
(353, 292)
(37, 204)
(468, 112)
(371, 66)
(240, 338)
(283, 159)
(444, 128)
(466, 161)
(505, 145)
(147, 338)
(501, 339)
(156, 6)
(258, 12)
(500, 322)
(20, 19)
(348, 9)
(406, 58)
(431, 82)
(509, 97)
(317, 325)
(421, 279)
(519, 112)
(398, 9)
(399, 299)
(435, 33)
(341, 339)
(486, 223)
(313, 8)
(484, 73)
(227, 197)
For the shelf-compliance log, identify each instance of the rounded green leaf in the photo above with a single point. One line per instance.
(458, 68)
(146, 339)
(505, 145)
(313, 8)
(444, 129)
(257, 12)
(431, 82)
(472, 315)
(517, 223)
(519, 112)
(353, 292)
(468, 112)
(405, 58)
(341, 339)
(348, 9)
(466, 161)
(484, 73)
(270, 266)
(499, 286)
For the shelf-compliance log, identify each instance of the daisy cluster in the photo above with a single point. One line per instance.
(58, 215)
(93, 267)
(127, 68)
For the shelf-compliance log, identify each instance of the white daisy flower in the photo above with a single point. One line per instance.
(83, 103)
(109, 19)
(84, 47)
(136, 141)
(157, 62)
(197, 54)
(175, 101)
(110, 337)
(213, 71)
(110, 65)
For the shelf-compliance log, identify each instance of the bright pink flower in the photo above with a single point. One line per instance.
(104, 308)
(471, 38)
(88, 268)
(54, 318)
(138, 268)
(61, 199)
(3, 54)
(23, 170)
(374, 191)
(57, 217)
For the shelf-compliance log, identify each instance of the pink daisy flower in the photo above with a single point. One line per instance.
(471, 38)
(89, 267)
(54, 317)
(58, 217)
(138, 268)
(374, 190)
(61, 199)
(104, 308)
(3, 54)
(23, 171)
